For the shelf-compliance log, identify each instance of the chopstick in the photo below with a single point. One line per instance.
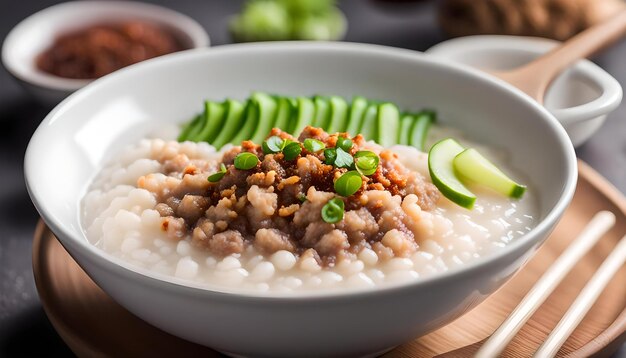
(598, 226)
(584, 301)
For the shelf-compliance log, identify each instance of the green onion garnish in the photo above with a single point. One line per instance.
(313, 145)
(332, 212)
(344, 159)
(215, 177)
(292, 150)
(330, 154)
(285, 142)
(366, 162)
(273, 144)
(344, 143)
(246, 160)
(349, 183)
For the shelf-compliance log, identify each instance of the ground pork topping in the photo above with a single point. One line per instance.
(276, 196)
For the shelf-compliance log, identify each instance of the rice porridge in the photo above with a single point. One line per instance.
(153, 207)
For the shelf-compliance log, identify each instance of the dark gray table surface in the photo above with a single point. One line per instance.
(24, 328)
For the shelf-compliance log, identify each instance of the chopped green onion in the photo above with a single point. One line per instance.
(332, 212)
(349, 183)
(302, 197)
(285, 143)
(292, 150)
(273, 144)
(313, 145)
(330, 154)
(344, 143)
(246, 161)
(215, 177)
(366, 162)
(344, 159)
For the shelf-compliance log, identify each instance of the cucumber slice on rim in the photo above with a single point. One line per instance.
(440, 158)
(192, 127)
(387, 123)
(283, 113)
(471, 165)
(419, 130)
(304, 116)
(368, 123)
(406, 121)
(213, 121)
(234, 117)
(322, 112)
(267, 113)
(338, 114)
(249, 123)
(357, 110)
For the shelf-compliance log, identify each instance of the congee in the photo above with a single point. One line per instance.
(307, 193)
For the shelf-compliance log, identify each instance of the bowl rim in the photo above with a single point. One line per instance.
(124, 270)
(605, 103)
(181, 22)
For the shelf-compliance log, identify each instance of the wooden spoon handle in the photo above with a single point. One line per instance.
(535, 77)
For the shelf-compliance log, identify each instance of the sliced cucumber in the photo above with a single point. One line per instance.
(440, 158)
(338, 114)
(387, 123)
(472, 166)
(368, 122)
(357, 110)
(267, 113)
(192, 127)
(304, 116)
(233, 121)
(213, 121)
(322, 112)
(406, 121)
(419, 130)
(249, 123)
(283, 113)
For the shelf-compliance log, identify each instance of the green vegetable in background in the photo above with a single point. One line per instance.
(261, 20)
(275, 20)
(307, 7)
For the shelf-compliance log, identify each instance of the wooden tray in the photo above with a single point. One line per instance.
(92, 324)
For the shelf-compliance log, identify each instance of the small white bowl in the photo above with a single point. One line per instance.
(37, 32)
(580, 98)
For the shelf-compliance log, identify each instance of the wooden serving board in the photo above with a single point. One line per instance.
(92, 324)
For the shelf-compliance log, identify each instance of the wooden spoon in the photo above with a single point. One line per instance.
(535, 77)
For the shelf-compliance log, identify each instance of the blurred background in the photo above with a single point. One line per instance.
(416, 25)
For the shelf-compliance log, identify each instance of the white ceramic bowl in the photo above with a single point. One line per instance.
(70, 144)
(580, 98)
(37, 32)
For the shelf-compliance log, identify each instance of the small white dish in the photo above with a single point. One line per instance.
(580, 98)
(37, 32)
